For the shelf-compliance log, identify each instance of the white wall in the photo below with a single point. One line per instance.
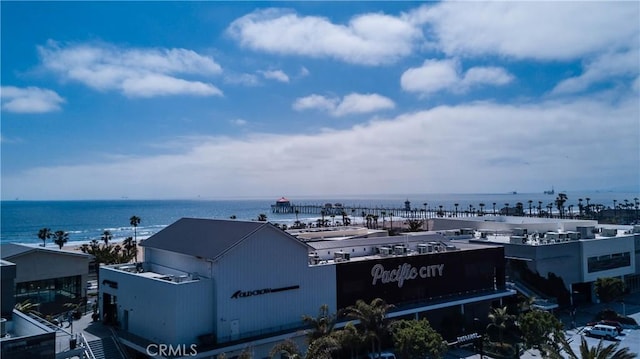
(269, 259)
(161, 311)
(178, 261)
(599, 247)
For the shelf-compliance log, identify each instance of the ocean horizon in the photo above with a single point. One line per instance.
(86, 220)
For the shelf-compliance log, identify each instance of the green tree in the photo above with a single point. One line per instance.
(500, 319)
(609, 289)
(373, 320)
(28, 307)
(61, 237)
(106, 237)
(415, 339)
(414, 225)
(600, 351)
(321, 326)
(539, 329)
(135, 221)
(321, 348)
(560, 201)
(44, 234)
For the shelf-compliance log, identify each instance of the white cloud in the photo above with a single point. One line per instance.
(239, 122)
(277, 75)
(445, 75)
(304, 72)
(30, 100)
(606, 67)
(242, 79)
(350, 104)
(430, 151)
(135, 72)
(367, 39)
(538, 30)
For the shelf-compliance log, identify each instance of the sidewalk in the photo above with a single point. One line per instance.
(85, 325)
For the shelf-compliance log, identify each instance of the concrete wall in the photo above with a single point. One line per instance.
(181, 262)
(46, 264)
(269, 259)
(507, 224)
(161, 311)
(7, 288)
(599, 247)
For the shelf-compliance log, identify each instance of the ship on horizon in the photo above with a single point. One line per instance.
(552, 191)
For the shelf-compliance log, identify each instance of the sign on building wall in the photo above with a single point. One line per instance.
(412, 278)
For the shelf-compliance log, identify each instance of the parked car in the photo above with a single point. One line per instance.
(612, 323)
(383, 355)
(602, 331)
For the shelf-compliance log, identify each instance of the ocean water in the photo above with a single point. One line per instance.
(87, 220)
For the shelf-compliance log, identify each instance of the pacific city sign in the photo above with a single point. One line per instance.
(404, 272)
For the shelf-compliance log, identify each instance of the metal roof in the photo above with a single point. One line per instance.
(11, 250)
(207, 238)
(376, 241)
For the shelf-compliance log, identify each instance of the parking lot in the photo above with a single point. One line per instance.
(629, 338)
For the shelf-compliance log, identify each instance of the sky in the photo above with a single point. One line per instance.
(162, 100)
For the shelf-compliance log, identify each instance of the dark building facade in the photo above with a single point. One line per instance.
(418, 278)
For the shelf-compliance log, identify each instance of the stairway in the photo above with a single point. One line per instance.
(105, 348)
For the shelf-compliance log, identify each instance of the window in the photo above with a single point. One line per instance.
(609, 261)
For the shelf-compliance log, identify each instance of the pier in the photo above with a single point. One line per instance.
(284, 206)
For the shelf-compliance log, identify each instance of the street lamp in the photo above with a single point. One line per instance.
(477, 325)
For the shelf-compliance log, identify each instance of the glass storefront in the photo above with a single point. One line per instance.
(608, 261)
(49, 290)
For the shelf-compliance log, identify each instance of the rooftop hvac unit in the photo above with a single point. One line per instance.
(551, 235)
(609, 232)
(3, 327)
(518, 240)
(636, 228)
(399, 250)
(423, 248)
(586, 232)
(384, 251)
(519, 231)
(341, 256)
(465, 231)
(574, 236)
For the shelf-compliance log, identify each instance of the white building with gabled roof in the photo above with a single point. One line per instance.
(227, 285)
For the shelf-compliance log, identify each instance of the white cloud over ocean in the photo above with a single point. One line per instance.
(135, 72)
(441, 149)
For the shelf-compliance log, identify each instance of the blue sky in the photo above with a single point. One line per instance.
(105, 100)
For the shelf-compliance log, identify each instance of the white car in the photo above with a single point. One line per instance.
(603, 331)
(383, 355)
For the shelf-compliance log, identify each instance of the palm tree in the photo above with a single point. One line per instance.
(373, 321)
(28, 307)
(44, 234)
(529, 201)
(481, 209)
(560, 201)
(262, 217)
(506, 206)
(499, 318)
(135, 221)
(611, 351)
(321, 326)
(61, 237)
(106, 237)
(456, 205)
(383, 214)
